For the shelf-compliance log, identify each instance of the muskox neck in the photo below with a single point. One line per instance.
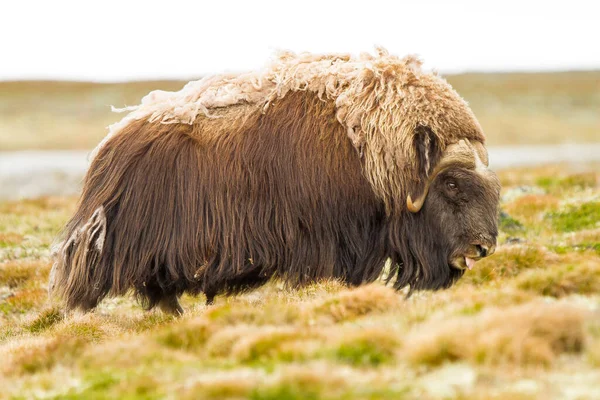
(419, 256)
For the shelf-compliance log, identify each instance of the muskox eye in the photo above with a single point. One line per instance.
(451, 185)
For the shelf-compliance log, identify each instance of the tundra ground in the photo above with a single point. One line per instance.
(524, 323)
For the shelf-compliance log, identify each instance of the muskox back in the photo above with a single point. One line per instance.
(222, 206)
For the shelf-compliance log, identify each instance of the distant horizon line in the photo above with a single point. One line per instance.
(525, 71)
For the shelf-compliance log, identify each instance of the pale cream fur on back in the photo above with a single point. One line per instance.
(379, 100)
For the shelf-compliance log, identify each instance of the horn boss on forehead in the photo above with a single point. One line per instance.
(300, 171)
(464, 154)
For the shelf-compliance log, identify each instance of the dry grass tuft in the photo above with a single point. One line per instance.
(593, 346)
(221, 344)
(532, 207)
(17, 272)
(471, 301)
(10, 239)
(190, 335)
(62, 342)
(562, 280)
(86, 327)
(32, 356)
(300, 384)
(130, 351)
(274, 343)
(143, 322)
(534, 333)
(355, 303)
(227, 386)
(274, 311)
(45, 320)
(26, 207)
(23, 301)
(508, 261)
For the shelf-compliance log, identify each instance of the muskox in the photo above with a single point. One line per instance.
(318, 166)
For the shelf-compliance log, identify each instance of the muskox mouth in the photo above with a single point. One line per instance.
(464, 262)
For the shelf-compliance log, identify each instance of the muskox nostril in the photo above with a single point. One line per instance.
(483, 250)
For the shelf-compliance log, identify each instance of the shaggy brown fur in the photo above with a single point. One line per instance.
(242, 195)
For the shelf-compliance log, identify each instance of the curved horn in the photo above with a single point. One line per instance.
(463, 153)
(481, 152)
(414, 206)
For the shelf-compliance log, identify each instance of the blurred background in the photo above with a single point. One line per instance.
(526, 68)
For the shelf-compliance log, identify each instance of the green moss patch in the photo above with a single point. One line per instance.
(508, 224)
(569, 182)
(576, 217)
(368, 348)
(579, 247)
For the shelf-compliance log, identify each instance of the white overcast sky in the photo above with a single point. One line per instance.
(119, 40)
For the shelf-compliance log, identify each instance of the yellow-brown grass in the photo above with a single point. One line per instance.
(358, 302)
(16, 273)
(509, 261)
(534, 333)
(581, 276)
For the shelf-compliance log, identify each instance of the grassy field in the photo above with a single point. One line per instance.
(512, 108)
(525, 323)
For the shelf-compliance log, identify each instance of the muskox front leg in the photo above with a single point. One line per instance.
(170, 305)
(152, 294)
(210, 298)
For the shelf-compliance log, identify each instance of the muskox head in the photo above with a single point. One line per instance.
(452, 221)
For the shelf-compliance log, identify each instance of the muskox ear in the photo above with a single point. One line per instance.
(428, 153)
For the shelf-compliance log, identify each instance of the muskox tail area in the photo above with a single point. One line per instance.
(136, 225)
(77, 261)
